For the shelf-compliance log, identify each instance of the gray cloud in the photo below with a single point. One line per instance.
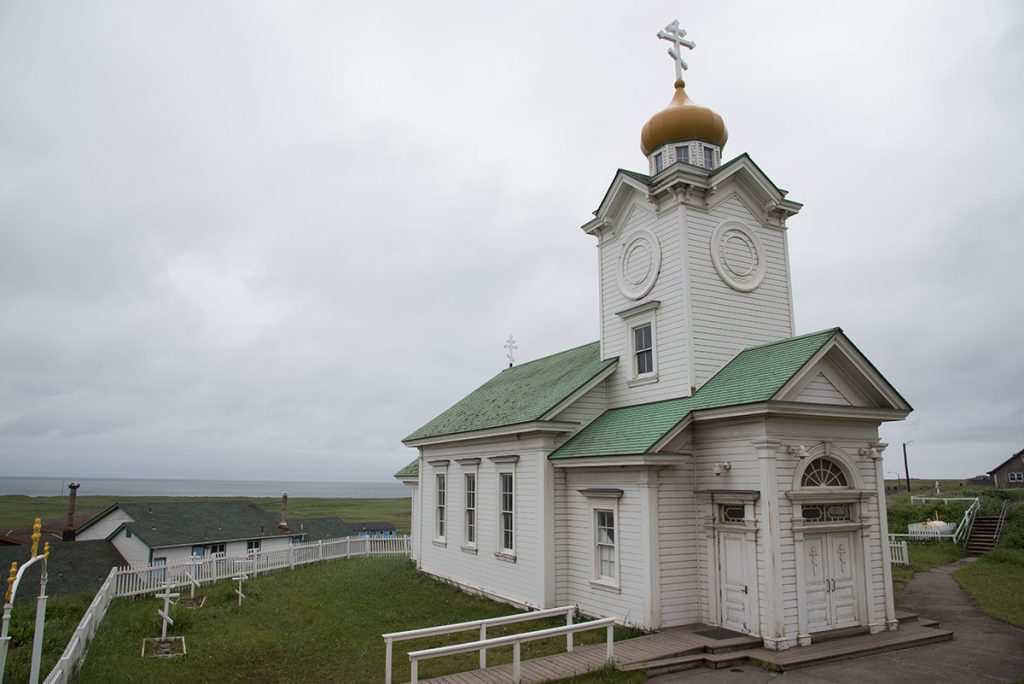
(268, 241)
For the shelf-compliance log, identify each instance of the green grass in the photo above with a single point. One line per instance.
(993, 582)
(62, 617)
(19, 511)
(317, 623)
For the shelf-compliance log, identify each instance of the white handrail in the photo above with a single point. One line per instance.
(515, 640)
(483, 624)
(963, 530)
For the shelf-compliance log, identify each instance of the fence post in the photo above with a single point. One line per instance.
(611, 642)
(568, 635)
(387, 660)
(414, 672)
(348, 547)
(483, 649)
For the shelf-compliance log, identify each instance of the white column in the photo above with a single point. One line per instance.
(651, 544)
(773, 631)
(891, 623)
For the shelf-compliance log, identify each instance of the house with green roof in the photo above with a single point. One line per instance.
(699, 463)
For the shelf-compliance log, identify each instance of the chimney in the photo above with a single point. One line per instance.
(284, 512)
(69, 528)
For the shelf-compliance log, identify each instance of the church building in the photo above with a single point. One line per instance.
(700, 462)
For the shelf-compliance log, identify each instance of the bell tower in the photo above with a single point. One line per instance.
(694, 265)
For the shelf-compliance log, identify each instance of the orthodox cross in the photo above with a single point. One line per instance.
(165, 614)
(677, 36)
(813, 555)
(841, 552)
(511, 345)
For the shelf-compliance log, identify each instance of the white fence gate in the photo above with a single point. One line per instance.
(898, 551)
(74, 653)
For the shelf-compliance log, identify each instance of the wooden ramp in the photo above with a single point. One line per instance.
(679, 648)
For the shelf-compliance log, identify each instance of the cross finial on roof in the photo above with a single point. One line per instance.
(677, 36)
(511, 346)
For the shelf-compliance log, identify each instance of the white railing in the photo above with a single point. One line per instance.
(898, 551)
(944, 499)
(482, 625)
(149, 579)
(963, 530)
(74, 653)
(515, 640)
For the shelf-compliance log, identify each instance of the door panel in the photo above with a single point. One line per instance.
(733, 580)
(819, 611)
(844, 588)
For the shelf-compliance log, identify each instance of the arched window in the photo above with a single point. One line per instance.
(823, 473)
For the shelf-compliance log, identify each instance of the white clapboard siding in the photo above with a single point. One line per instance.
(821, 391)
(678, 547)
(627, 602)
(725, 321)
(584, 410)
(132, 549)
(102, 528)
(484, 568)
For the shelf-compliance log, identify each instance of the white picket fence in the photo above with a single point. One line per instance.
(75, 650)
(898, 551)
(149, 579)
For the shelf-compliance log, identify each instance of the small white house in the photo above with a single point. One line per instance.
(167, 532)
(700, 462)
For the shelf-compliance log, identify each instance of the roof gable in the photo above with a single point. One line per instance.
(1019, 455)
(519, 394)
(754, 375)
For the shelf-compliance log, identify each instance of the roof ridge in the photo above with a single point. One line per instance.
(834, 330)
(549, 356)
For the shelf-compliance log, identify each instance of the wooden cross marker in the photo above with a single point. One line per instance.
(511, 346)
(165, 614)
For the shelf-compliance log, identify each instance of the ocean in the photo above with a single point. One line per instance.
(55, 486)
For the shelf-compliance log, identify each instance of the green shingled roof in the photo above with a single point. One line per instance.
(411, 470)
(519, 394)
(755, 375)
(175, 523)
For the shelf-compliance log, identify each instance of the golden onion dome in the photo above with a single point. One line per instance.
(682, 120)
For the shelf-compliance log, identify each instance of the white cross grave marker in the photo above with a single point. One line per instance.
(165, 614)
(677, 36)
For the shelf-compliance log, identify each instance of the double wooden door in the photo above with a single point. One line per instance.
(831, 576)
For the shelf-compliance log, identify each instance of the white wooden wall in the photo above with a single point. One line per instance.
(132, 549)
(101, 529)
(526, 581)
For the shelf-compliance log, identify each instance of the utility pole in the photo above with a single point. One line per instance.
(906, 468)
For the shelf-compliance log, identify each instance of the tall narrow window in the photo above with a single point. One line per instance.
(441, 498)
(643, 349)
(657, 163)
(471, 509)
(683, 154)
(709, 158)
(605, 552)
(507, 507)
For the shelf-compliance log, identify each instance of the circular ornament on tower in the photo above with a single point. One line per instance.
(738, 256)
(639, 264)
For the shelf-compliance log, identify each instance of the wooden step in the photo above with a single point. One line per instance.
(833, 634)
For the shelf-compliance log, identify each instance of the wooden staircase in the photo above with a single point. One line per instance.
(984, 534)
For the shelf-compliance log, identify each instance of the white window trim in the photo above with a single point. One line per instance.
(1015, 477)
(440, 536)
(604, 499)
(637, 317)
(506, 465)
(470, 469)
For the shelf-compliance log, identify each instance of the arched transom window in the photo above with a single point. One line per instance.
(823, 473)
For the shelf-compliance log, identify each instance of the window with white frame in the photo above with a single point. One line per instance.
(440, 501)
(657, 163)
(643, 350)
(709, 158)
(1016, 477)
(470, 509)
(603, 504)
(252, 545)
(506, 522)
(604, 553)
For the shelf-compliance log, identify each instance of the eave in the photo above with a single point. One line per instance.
(543, 426)
(649, 460)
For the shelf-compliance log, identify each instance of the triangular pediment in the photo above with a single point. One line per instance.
(623, 196)
(839, 375)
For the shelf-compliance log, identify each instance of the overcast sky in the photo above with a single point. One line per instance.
(267, 240)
